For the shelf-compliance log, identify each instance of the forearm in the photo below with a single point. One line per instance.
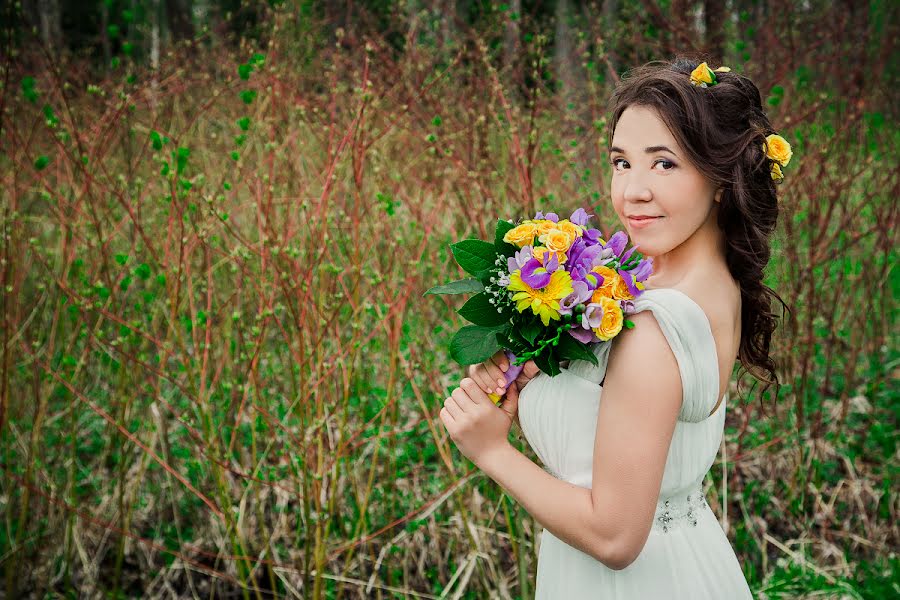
(564, 509)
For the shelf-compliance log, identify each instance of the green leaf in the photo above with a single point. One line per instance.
(156, 140)
(628, 324)
(531, 330)
(41, 163)
(473, 344)
(480, 311)
(548, 363)
(244, 123)
(28, 89)
(248, 96)
(461, 286)
(181, 157)
(502, 227)
(244, 71)
(474, 256)
(121, 258)
(571, 349)
(142, 271)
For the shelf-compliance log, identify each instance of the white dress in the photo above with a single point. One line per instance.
(687, 555)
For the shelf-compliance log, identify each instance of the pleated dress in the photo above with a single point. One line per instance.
(687, 555)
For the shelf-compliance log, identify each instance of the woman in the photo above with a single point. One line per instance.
(628, 444)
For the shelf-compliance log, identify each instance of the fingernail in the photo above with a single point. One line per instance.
(500, 382)
(504, 368)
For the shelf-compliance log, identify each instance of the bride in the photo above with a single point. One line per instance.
(626, 445)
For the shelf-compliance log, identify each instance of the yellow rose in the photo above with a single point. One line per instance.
(605, 289)
(539, 252)
(778, 149)
(612, 321)
(557, 240)
(520, 236)
(574, 231)
(702, 74)
(620, 291)
(544, 226)
(777, 175)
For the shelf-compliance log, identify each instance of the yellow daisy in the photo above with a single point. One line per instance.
(544, 302)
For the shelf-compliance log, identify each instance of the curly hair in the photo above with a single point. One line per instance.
(723, 129)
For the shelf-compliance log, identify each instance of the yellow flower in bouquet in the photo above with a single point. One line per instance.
(557, 240)
(545, 301)
(612, 321)
(522, 235)
(605, 289)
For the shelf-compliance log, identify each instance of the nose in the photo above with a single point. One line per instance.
(637, 191)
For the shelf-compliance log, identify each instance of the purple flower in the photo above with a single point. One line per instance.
(581, 294)
(580, 217)
(534, 274)
(617, 242)
(583, 335)
(520, 259)
(593, 236)
(592, 316)
(549, 216)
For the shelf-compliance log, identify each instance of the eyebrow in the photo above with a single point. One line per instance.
(648, 149)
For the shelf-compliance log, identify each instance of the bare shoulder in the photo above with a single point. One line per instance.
(719, 296)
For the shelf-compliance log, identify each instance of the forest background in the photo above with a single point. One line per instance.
(219, 375)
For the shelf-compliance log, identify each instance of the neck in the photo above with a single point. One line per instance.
(704, 250)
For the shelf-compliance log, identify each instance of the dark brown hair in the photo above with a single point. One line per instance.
(722, 128)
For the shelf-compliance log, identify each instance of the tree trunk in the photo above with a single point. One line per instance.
(714, 19)
(51, 24)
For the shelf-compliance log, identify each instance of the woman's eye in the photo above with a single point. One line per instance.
(615, 161)
(668, 162)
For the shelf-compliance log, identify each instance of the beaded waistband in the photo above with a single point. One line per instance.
(676, 511)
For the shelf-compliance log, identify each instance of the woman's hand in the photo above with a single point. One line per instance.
(491, 374)
(476, 425)
(491, 377)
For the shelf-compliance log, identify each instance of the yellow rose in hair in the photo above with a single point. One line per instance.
(612, 321)
(778, 149)
(522, 235)
(702, 74)
(776, 172)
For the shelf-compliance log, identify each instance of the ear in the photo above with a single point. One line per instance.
(719, 193)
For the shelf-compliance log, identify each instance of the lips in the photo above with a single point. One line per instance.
(642, 221)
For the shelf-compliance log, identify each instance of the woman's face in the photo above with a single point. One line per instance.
(653, 178)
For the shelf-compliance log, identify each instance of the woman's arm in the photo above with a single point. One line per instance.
(635, 423)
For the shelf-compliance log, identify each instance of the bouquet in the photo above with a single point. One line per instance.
(546, 289)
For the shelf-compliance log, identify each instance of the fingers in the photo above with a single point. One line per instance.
(452, 407)
(489, 377)
(501, 361)
(473, 391)
(531, 369)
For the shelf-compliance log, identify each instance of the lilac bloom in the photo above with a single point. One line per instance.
(520, 259)
(583, 335)
(592, 316)
(552, 263)
(552, 217)
(534, 274)
(593, 236)
(627, 306)
(628, 254)
(617, 242)
(538, 215)
(581, 294)
(605, 257)
(580, 217)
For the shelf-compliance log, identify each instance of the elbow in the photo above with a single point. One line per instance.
(619, 554)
